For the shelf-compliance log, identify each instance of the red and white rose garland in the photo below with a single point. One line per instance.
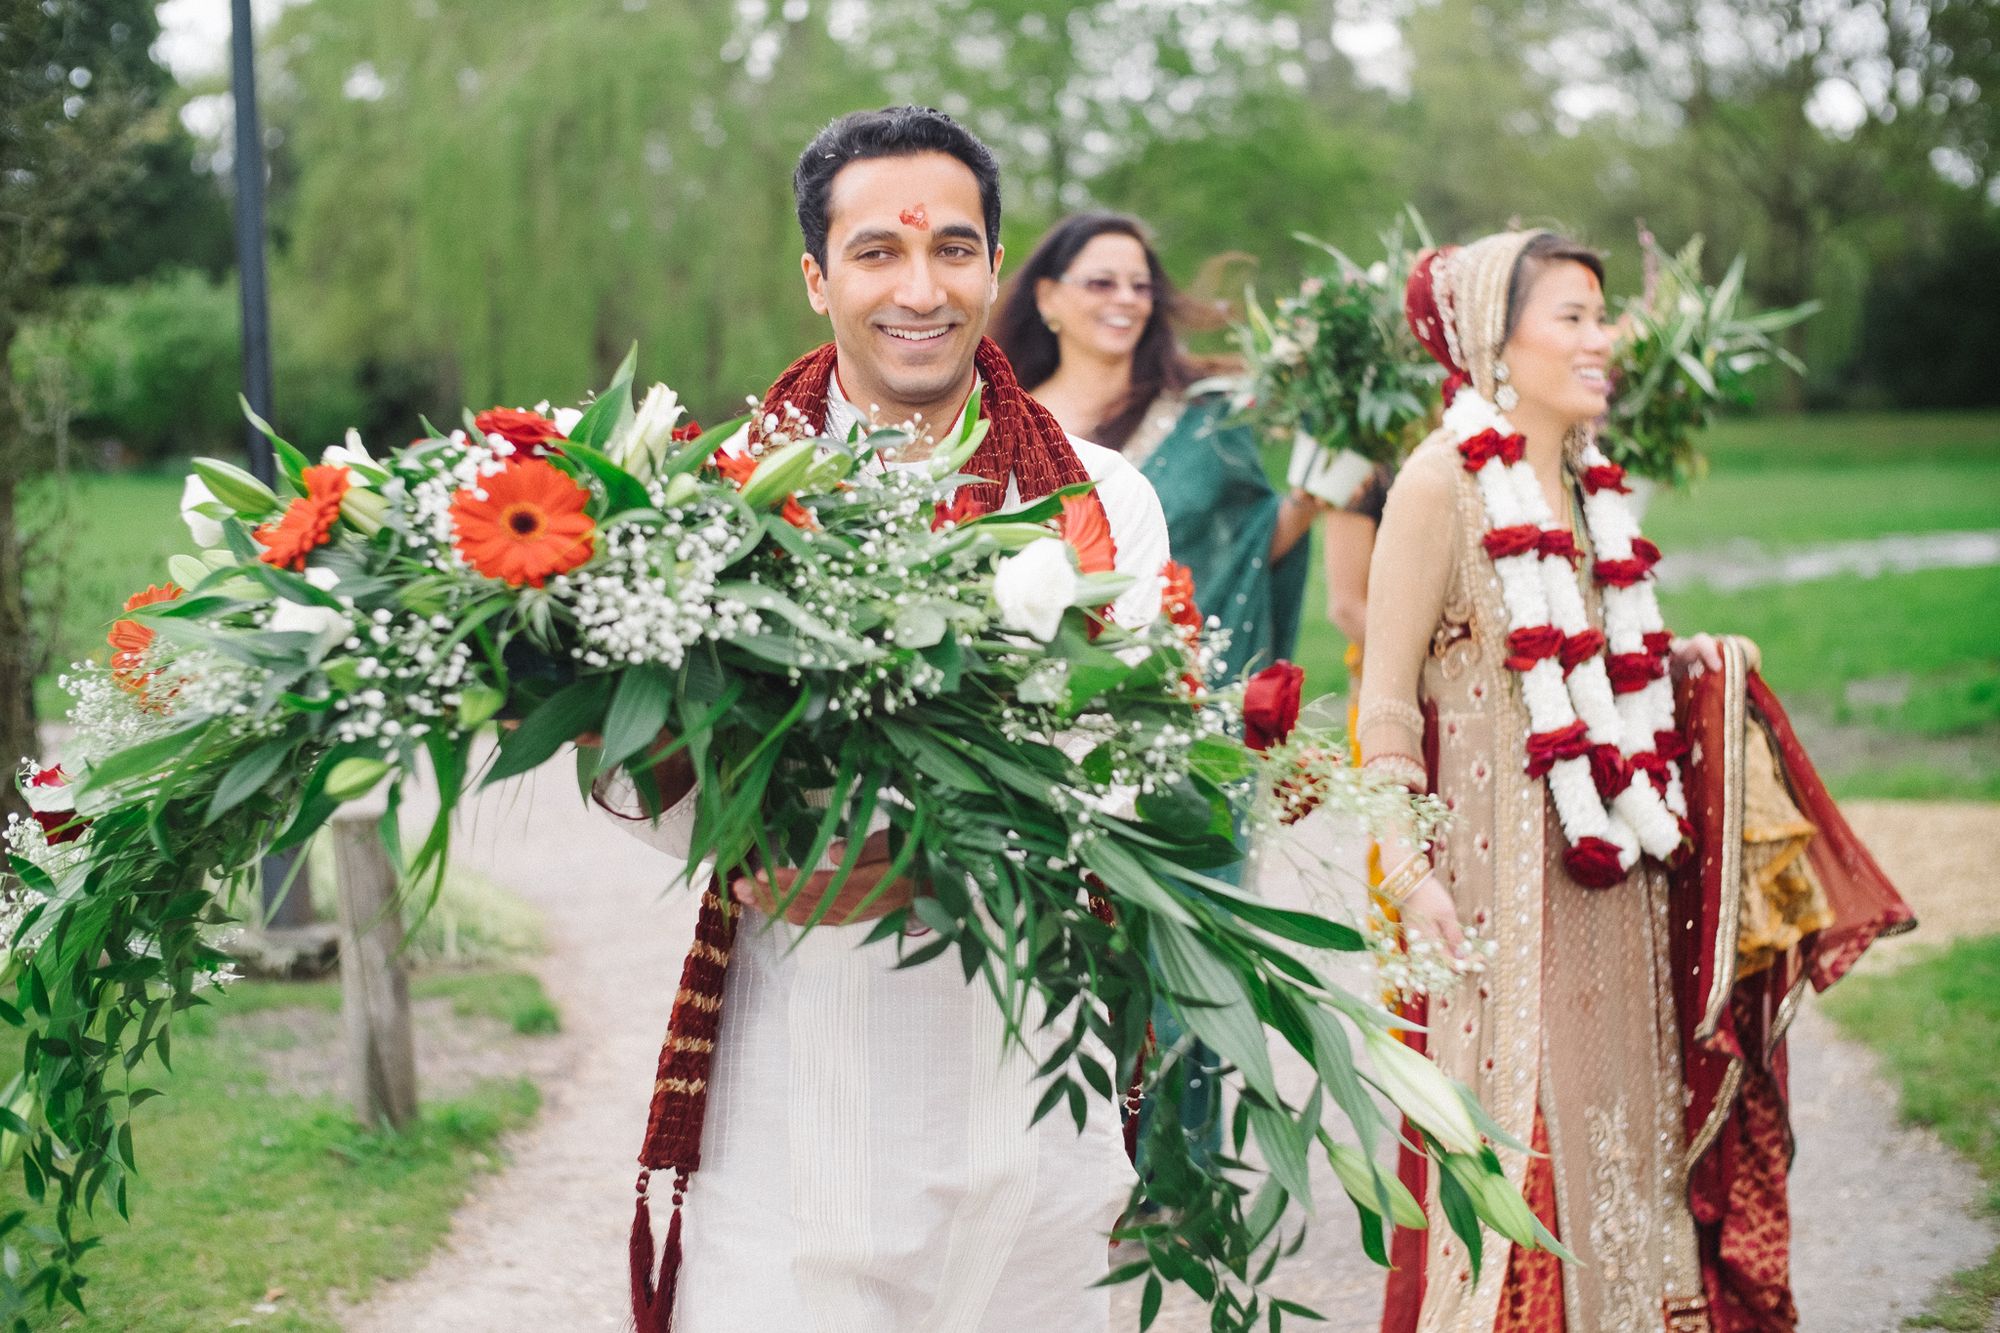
(1600, 704)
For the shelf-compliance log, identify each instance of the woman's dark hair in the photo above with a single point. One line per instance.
(895, 131)
(1159, 363)
(1547, 248)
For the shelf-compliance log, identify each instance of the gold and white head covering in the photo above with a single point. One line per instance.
(1456, 302)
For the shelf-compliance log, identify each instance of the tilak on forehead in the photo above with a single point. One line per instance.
(915, 217)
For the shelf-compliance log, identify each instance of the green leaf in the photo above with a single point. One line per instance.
(291, 460)
(1287, 923)
(638, 712)
(576, 708)
(622, 490)
(144, 759)
(1209, 993)
(612, 409)
(919, 625)
(1460, 1213)
(246, 777)
(1284, 1142)
(936, 758)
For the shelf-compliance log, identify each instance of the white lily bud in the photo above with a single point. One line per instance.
(646, 442)
(364, 510)
(1421, 1092)
(236, 488)
(1356, 1178)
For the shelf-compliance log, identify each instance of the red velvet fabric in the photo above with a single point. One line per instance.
(1737, 1188)
(1531, 1299)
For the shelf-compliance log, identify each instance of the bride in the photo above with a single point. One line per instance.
(1516, 664)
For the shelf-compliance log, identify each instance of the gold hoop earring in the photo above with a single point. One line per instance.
(1054, 325)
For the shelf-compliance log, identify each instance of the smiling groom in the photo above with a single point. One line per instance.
(866, 1160)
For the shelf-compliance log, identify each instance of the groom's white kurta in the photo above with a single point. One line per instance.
(867, 1164)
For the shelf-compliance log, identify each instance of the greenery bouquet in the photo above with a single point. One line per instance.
(1683, 347)
(1334, 368)
(812, 633)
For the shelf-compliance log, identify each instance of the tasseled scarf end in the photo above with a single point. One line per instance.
(653, 1296)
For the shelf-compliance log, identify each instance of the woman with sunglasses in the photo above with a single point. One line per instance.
(1090, 325)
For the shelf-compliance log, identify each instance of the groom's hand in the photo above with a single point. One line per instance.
(766, 891)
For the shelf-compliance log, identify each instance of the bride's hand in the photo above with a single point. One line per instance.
(1695, 654)
(1429, 912)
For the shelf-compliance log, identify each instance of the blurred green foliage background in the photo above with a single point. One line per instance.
(489, 200)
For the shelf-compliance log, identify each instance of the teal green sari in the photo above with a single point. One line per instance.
(1221, 510)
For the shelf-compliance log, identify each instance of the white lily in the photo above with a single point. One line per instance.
(349, 452)
(201, 511)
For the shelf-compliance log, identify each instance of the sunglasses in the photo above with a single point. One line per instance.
(1103, 285)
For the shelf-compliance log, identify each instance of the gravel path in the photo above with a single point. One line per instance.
(1884, 1212)
(1732, 566)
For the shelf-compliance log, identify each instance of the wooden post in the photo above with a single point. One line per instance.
(374, 991)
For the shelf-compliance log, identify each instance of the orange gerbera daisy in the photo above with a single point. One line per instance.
(1086, 527)
(523, 524)
(307, 522)
(129, 639)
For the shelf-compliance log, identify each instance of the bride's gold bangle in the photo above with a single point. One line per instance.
(1400, 883)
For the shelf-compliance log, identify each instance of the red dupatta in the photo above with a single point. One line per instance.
(1733, 1028)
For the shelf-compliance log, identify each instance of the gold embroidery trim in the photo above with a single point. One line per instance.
(1722, 977)
(1725, 1100)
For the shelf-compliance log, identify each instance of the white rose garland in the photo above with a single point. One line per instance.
(1609, 750)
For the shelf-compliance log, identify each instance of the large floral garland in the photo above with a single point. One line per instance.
(1600, 705)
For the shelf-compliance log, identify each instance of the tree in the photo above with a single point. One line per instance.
(1803, 134)
(561, 203)
(79, 100)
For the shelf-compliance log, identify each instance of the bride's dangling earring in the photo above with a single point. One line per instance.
(1506, 397)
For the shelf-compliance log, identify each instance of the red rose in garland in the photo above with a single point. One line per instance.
(530, 433)
(1271, 705)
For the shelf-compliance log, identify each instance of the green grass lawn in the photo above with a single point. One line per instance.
(1934, 628)
(245, 1189)
(1935, 1022)
(1794, 481)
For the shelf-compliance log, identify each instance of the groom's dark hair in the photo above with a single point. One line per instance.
(895, 131)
